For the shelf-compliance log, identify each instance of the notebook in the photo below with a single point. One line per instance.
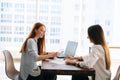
(70, 49)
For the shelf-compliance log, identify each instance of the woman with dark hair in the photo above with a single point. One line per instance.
(33, 50)
(98, 58)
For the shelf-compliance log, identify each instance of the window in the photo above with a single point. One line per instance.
(62, 22)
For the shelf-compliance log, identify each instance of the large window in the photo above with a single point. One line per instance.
(18, 17)
(63, 21)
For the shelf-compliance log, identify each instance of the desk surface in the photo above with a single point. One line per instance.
(63, 69)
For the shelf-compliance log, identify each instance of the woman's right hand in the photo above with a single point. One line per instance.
(54, 54)
(76, 58)
(70, 62)
(69, 57)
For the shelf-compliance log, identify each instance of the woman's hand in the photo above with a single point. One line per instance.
(75, 58)
(70, 62)
(54, 54)
(69, 57)
(49, 55)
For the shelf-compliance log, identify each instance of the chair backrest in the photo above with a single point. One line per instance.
(117, 75)
(10, 69)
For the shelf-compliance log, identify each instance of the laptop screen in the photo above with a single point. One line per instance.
(71, 48)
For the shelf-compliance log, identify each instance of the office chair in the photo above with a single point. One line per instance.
(117, 75)
(10, 69)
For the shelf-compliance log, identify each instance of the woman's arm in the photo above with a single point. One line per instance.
(91, 59)
(79, 58)
(32, 49)
(88, 61)
(43, 57)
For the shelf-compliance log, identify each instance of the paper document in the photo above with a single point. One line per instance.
(58, 61)
(39, 63)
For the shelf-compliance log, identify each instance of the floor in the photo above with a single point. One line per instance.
(114, 66)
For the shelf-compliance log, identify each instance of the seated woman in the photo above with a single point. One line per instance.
(33, 50)
(98, 58)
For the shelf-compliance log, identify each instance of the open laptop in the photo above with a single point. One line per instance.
(70, 49)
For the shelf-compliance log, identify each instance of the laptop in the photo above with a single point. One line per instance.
(70, 49)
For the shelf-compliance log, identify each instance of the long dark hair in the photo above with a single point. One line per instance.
(96, 35)
(41, 41)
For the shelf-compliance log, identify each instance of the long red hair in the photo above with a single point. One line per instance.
(40, 42)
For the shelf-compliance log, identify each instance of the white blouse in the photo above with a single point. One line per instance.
(96, 60)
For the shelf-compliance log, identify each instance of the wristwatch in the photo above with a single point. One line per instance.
(77, 64)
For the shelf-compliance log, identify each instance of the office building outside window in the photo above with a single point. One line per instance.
(65, 20)
(18, 17)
